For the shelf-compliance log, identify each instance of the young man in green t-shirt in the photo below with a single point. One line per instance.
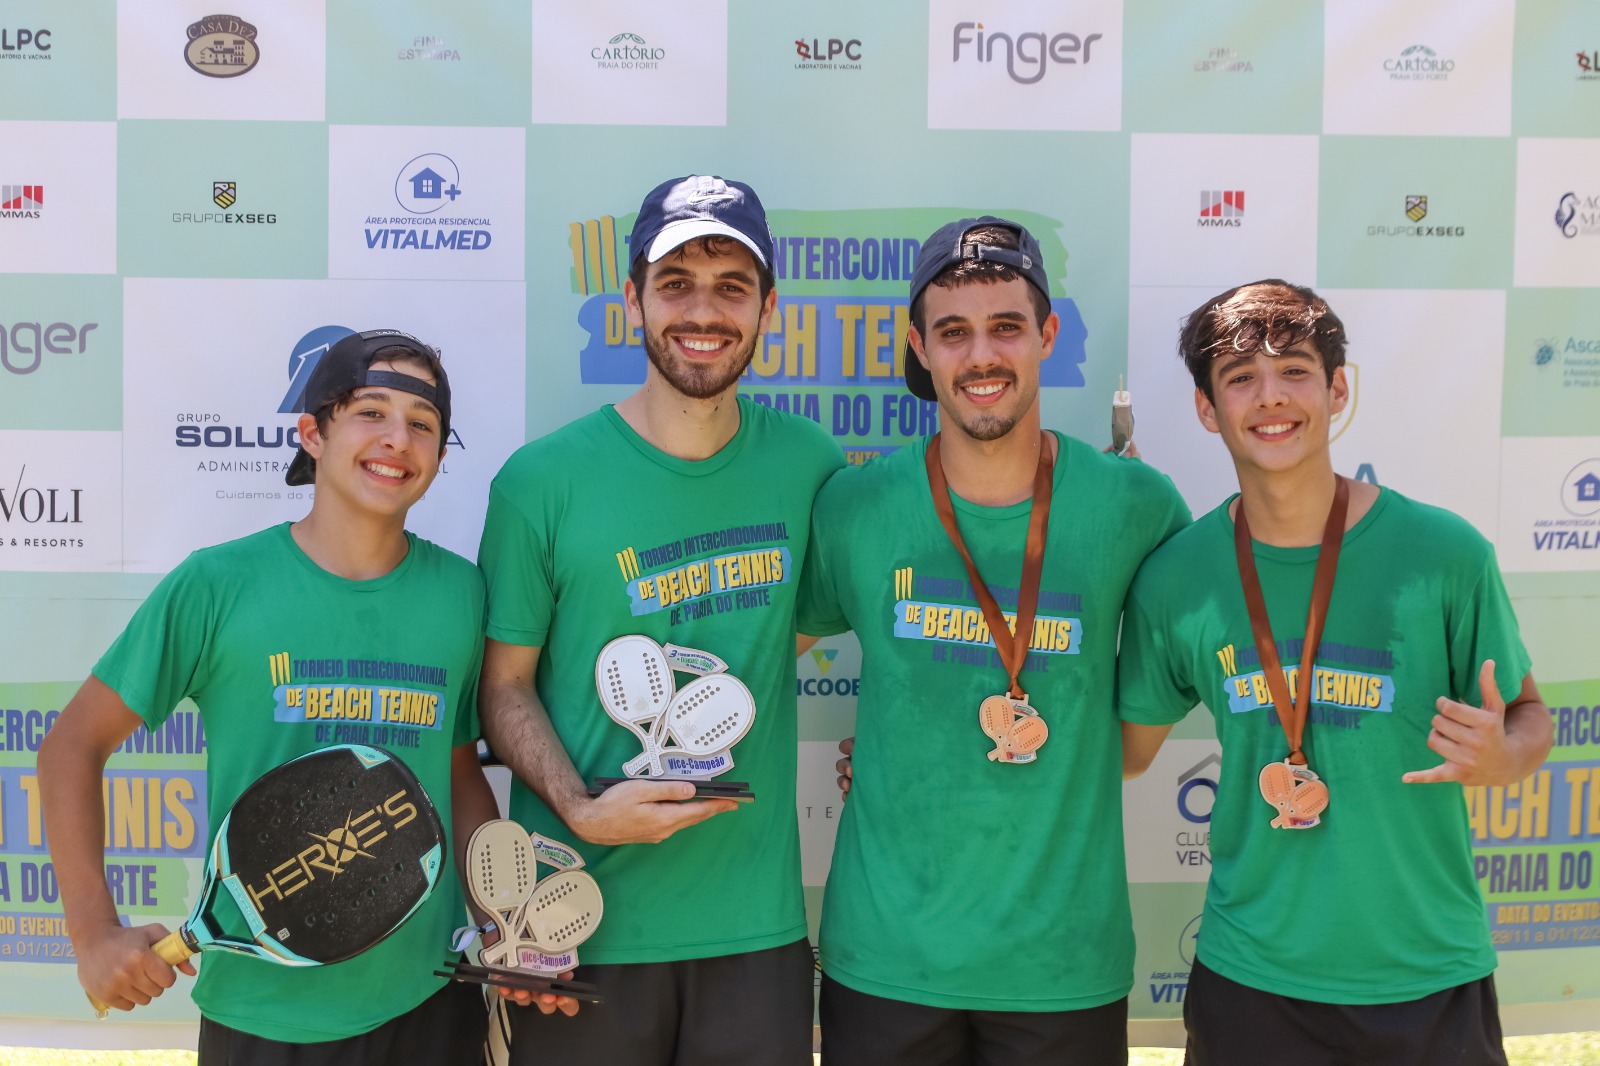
(230, 628)
(1343, 922)
(977, 906)
(681, 514)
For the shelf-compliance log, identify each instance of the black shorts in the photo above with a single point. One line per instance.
(1231, 1024)
(865, 1030)
(446, 1029)
(727, 1010)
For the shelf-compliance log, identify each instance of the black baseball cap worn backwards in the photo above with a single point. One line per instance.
(699, 205)
(949, 247)
(345, 367)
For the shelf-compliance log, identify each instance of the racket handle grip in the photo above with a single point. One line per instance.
(171, 948)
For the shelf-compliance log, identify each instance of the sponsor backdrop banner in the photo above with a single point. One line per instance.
(199, 196)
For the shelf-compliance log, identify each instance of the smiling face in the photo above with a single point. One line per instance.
(701, 315)
(982, 345)
(1272, 411)
(379, 452)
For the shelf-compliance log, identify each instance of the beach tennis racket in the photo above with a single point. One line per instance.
(1297, 798)
(563, 912)
(317, 861)
(708, 715)
(635, 683)
(1026, 735)
(501, 875)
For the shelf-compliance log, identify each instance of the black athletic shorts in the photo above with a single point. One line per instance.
(1235, 1025)
(446, 1029)
(864, 1030)
(750, 1009)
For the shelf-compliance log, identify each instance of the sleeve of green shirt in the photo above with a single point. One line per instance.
(160, 657)
(818, 611)
(515, 559)
(1484, 626)
(1153, 683)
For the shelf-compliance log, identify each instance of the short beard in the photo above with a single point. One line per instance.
(983, 426)
(695, 380)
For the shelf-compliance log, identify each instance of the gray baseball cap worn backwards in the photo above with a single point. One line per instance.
(949, 248)
(346, 366)
(699, 205)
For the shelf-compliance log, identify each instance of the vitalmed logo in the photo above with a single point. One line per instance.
(1578, 215)
(831, 54)
(24, 44)
(23, 345)
(1419, 63)
(1221, 207)
(425, 186)
(1025, 55)
(21, 201)
(627, 51)
(221, 46)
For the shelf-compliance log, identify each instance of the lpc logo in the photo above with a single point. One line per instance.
(24, 44)
(221, 46)
(818, 53)
(1032, 52)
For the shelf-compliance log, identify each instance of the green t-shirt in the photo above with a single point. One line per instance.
(237, 628)
(592, 534)
(957, 881)
(1378, 904)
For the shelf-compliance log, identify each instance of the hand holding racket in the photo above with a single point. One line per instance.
(320, 859)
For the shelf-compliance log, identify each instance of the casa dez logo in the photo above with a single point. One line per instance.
(831, 54)
(1221, 208)
(1578, 214)
(23, 43)
(1419, 63)
(1414, 211)
(628, 51)
(1578, 358)
(1224, 61)
(24, 345)
(428, 48)
(1026, 55)
(221, 46)
(429, 190)
(1588, 66)
(21, 201)
(225, 194)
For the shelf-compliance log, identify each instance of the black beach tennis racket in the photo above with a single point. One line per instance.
(317, 861)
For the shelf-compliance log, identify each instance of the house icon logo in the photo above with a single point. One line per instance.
(427, 183)
(1580, 489)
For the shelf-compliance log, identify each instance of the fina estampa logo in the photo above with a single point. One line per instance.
(429, 189)
(1025, 56)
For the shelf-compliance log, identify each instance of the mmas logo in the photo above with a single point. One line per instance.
(21, 201)
(836, 349)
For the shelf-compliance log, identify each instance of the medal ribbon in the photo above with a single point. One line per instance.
(1292, 715)
(1013, 648)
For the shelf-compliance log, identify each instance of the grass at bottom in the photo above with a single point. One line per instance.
(1562, 1049)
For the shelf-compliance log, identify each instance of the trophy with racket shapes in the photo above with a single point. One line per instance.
(541, 920)
(687, 733)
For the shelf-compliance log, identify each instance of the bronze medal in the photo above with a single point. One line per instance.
(1006, 719)
(1290, 786)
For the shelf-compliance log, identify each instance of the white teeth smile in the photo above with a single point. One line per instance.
(700, 346)
(1276, 427)
(386, 471)
(984, 390)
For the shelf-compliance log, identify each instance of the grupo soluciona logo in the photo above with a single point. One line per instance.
(1026, 55)
(303, 359)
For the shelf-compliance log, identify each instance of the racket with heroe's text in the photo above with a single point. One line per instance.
(318, 860)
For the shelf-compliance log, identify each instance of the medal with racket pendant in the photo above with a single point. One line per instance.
(320, 858)
(1006, 718)
(688, 733)
(1291, 786)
